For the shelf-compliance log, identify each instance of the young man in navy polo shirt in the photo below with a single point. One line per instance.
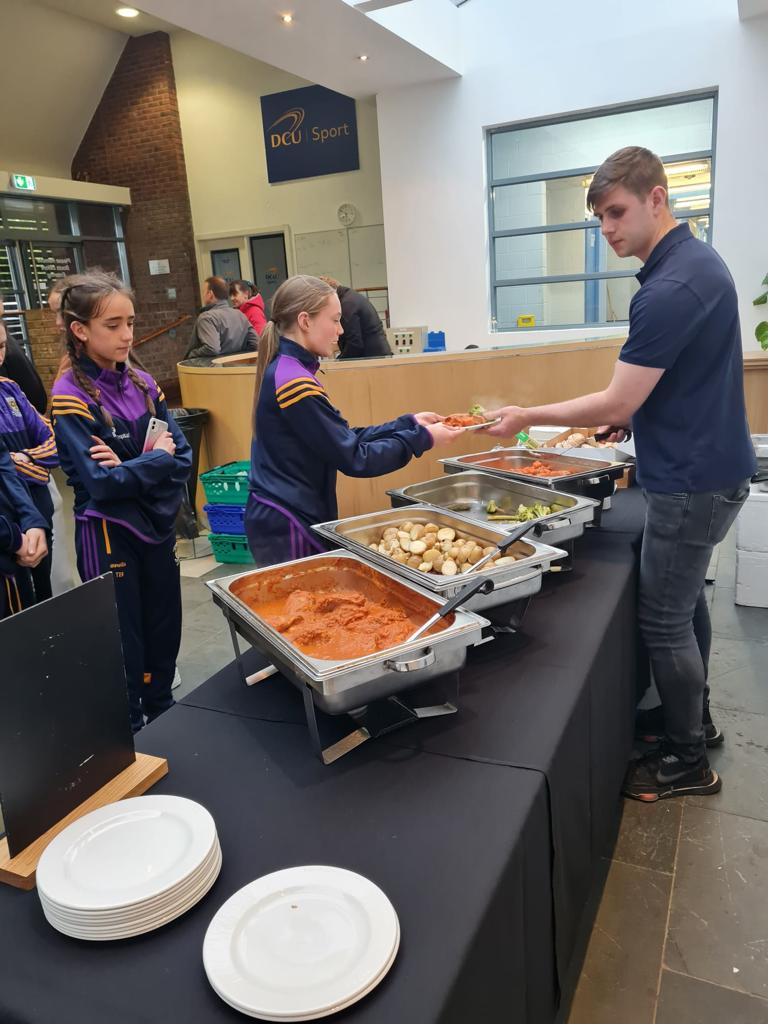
(679, 381)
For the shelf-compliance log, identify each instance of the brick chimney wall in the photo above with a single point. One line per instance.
(134, 140)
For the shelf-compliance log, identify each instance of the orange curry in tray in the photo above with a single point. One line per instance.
(339, 615)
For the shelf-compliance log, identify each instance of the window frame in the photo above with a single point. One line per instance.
(592, 223)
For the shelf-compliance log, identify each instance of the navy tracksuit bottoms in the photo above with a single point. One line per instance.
(148, 589)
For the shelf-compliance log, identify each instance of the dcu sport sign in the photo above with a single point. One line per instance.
(309, 132)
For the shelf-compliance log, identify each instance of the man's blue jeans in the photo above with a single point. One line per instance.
(681, 531)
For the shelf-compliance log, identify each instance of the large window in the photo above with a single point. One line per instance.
(550, 266)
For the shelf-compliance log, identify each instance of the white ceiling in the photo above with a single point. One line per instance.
(323, 44)
(103, 12)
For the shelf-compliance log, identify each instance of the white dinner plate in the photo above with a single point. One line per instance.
(149, 923)
(483, 426)
(331, 1009)
(125, 853)
(300, 943)
(127, 914)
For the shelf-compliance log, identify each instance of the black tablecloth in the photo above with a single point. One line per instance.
(557, 699)
(485, 828)
(462, 849)
(627, 513)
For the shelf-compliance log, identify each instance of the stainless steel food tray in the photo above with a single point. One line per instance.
(468, 495)
(340, 686)
(612, 455)
(512, 582)
(591, 478)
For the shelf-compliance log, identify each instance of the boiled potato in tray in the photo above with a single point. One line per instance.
(440, 550)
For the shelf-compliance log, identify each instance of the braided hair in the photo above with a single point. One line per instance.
(81, 301)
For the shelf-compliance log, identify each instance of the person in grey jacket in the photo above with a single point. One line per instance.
(220, 330)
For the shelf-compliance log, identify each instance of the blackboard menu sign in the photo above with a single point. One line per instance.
(64, 721)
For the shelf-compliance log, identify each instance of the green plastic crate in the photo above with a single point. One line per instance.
(227, 484)
(231, 547)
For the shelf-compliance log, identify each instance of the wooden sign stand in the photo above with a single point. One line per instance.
(134, 780)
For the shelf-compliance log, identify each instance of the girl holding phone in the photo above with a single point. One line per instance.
(126, 499)
(300, 440)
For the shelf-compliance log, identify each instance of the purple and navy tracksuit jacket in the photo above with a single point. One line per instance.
(144, 492)
(23, 429)
(301, 442)
(18, 513)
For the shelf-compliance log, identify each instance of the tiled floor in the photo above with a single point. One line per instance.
(681, 936)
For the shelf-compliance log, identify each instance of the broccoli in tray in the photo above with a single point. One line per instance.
(524, 513)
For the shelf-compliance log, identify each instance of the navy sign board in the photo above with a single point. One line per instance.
(309, 132)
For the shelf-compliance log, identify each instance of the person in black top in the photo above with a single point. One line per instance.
(679, 381)
(363, 333)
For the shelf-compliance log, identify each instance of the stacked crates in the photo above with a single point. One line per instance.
(226, 488)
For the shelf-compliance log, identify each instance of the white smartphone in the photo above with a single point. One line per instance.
(155, 428)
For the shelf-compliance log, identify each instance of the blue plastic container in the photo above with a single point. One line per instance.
(226, 518)
(435, 341)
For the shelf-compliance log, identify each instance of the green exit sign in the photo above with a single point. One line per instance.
(23, 182)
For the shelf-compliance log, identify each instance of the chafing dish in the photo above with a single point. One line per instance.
(592, 478)
(469, 493)
(513, 583)
(339, 686)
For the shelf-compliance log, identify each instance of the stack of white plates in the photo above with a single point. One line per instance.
(128, 867)
(301, 944)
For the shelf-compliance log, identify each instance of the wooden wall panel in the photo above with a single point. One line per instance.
(374, 391)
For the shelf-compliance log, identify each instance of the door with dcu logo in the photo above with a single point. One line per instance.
(269, 265)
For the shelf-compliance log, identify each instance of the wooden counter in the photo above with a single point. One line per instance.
(375, 390)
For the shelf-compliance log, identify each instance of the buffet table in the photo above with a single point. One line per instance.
(485, 828)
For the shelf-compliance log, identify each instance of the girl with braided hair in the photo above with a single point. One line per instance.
(126, 499)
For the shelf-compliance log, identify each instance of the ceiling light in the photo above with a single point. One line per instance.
(127, 12)
(691, 204)
(363, 56)
(286, 18)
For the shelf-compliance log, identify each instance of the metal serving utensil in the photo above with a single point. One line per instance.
(502, 546)
(461, 597)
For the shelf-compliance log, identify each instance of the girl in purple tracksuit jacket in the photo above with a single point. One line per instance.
(126, 499)
(300, 440)
(28, 437)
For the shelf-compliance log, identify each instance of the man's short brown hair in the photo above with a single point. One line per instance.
(218, 286)
(637, 169)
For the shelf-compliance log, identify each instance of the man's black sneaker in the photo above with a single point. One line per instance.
(660, 775)
(649, 727)
(713, 736)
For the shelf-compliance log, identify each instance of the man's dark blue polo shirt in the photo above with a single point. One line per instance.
(691, 433)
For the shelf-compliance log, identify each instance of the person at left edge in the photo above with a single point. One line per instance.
(300, 440)
(22, 538)
(126, 499)
(28, 436)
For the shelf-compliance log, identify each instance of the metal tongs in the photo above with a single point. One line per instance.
(477, 586)
(463, 595)
(501, 547)
(605, 434)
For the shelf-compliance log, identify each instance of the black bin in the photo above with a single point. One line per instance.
(191, 423)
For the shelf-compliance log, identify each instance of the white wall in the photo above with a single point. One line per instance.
(53, 71)
(219, 94)
(561, 58)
